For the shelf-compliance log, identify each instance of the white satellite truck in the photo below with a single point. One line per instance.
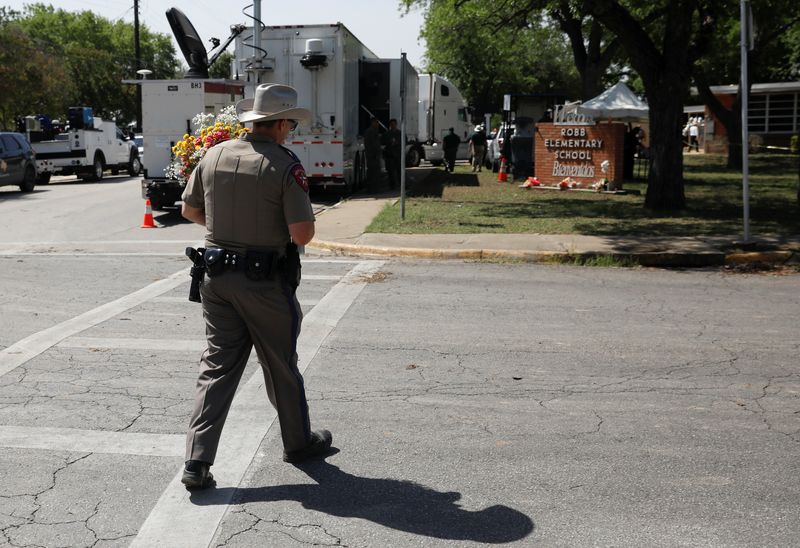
(343, 84)
(88, 148)
(441, 107)
(168, 107)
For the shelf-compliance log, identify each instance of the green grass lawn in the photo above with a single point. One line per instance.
(466, 202)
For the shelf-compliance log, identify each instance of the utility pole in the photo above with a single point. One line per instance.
(744, 18)
(137, 52)
(403, 136)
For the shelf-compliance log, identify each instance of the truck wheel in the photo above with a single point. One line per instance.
(96, 173)
(43, 179)
(413, 157)
(29, 181)
(134, 165)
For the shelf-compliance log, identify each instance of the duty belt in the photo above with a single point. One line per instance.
(257, 265)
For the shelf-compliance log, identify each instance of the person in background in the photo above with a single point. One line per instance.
(477, 148)
(694, 133)
(392, 153)
(451, 142)
(372, 150)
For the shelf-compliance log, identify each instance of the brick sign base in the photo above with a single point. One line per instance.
(576, 151)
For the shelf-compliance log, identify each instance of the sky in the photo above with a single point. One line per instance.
(379, 24)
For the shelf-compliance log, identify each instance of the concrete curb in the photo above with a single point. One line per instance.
(699, 259)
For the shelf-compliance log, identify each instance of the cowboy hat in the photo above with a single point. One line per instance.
(271, 102)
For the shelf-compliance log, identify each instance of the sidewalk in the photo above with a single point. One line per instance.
(340, 230)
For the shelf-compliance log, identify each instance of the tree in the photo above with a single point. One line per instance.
(775, 57)
(593, 49)
(486, 62)
(222, 66)
(662, 50)
(31, 81)
(96, 55)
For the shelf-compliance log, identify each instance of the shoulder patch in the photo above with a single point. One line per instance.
(299, 176)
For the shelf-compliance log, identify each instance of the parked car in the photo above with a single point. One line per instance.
(495, 150)
(17, 161)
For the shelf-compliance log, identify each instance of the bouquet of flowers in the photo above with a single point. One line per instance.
(211, 130)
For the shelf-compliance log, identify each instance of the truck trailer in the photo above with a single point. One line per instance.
(343, 84)
(441, 107)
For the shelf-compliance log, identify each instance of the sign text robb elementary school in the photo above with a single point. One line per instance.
(573, 145)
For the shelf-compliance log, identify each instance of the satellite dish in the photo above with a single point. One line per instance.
(190, 43)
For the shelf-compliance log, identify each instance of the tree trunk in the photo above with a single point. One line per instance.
(665, 190)
(734, 129)
(591, 83)
(664, 69)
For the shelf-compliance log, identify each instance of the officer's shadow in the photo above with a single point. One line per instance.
(398, 504)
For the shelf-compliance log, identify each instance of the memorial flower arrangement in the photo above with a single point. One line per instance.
(210, 131)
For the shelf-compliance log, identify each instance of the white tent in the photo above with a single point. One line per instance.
(617, 102)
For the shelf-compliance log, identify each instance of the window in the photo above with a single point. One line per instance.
(781, 113)
(10, 144)
(774, 113)
(462, 115)
(757, 113)
(445, 91)
(21, 141)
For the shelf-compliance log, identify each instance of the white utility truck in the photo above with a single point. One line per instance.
(342, 83)
(441, 107)
(168, 107)
(88, 148)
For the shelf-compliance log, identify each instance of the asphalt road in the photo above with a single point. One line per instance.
(471, 403)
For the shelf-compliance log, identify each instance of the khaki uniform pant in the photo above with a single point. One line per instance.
(239, 314)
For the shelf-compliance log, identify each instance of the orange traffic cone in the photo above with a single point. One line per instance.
(148, 215)
(502, 177)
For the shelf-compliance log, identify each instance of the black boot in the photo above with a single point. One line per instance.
(196, 475)
(320, 443)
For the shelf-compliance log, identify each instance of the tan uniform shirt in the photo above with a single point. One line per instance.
(251, 189)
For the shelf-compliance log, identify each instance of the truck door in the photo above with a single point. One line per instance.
(11, 160)
(122, 151)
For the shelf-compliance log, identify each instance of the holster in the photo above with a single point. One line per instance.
(197, 272)
(290, 266)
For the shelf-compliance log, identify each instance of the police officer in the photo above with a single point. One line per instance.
(251, 194)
